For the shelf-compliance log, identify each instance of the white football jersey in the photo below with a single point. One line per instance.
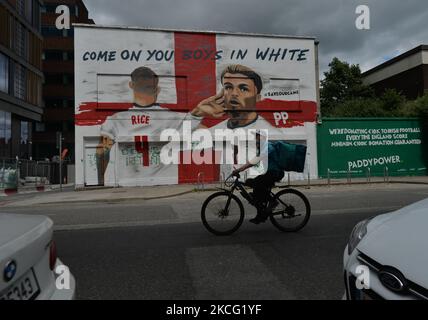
(132, 169)
(145, 121)
(258, 124)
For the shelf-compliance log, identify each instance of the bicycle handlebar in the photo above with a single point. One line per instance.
(229, 183)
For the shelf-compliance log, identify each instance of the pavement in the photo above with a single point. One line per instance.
(53, 194)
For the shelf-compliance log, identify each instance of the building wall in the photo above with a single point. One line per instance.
(412, 83)
(406, 73)
(189, 67)
(58, 88)
(425, 71)
(20, 75)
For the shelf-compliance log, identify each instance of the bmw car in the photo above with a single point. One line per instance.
(29, 267)
(387, 256)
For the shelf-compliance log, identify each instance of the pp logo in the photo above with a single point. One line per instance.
(280, 117)
(63, 21)
(363, 279)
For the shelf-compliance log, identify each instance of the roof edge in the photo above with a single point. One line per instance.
(402, 56)
(84, 25)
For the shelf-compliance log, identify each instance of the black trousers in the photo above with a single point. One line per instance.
(262, 186)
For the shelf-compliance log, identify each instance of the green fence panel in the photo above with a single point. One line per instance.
(375, 146)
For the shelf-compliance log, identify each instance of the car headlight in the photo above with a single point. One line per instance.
(359, 232)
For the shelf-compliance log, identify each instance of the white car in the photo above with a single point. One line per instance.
(387, 256)
(28, 261)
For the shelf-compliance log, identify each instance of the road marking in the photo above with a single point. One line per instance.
(232, 272)
(359, 210)
(124, 224)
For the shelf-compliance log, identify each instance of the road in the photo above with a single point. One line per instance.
(158, 249)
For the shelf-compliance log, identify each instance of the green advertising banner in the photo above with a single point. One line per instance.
(358, 146)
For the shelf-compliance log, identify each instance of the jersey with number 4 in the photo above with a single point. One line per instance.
(129, 130)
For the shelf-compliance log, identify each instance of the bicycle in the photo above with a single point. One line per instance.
(223, 212)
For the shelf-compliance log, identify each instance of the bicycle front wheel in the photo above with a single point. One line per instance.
(292, 212)
(222, 213)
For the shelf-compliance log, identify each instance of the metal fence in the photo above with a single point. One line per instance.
(20, 173)
(369, 175)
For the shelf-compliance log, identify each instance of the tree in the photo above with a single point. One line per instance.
(343, 82)
(359, 107)
(416, 108)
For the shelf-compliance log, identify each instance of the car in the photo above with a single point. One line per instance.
(387, 257)
(29, 267)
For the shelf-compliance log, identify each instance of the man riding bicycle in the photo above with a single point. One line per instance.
(276, 157)
(263, 184)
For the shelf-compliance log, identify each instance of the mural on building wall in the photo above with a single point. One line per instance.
(132, 85)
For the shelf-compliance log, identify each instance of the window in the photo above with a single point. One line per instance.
(21, 40)
(55, 55)
(25, 140)
(69, 32)
(5, 134)
(51, 31)
(59, 78)
(68, 79)
(20, 82)
(37, 15)
(68, 55)
(20, 7)
(4, 73)
(2, 127)
(24, 132)
(49, 8)
(56, 79)
(53, 127)
(12, 33)
(29, 11)
(72, 9)
(54, 103)
(40, 127)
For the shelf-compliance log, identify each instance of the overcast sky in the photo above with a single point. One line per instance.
(396, 26)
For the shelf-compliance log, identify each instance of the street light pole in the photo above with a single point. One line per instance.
(60, 161)
(59, 145)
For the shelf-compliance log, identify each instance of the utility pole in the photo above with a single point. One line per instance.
(59, 146)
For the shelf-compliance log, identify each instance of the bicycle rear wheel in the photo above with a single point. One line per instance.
(292, 212)
(222, 213)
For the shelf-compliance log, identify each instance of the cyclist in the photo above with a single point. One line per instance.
(263, 184)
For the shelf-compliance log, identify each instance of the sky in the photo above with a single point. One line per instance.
(395, 26)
